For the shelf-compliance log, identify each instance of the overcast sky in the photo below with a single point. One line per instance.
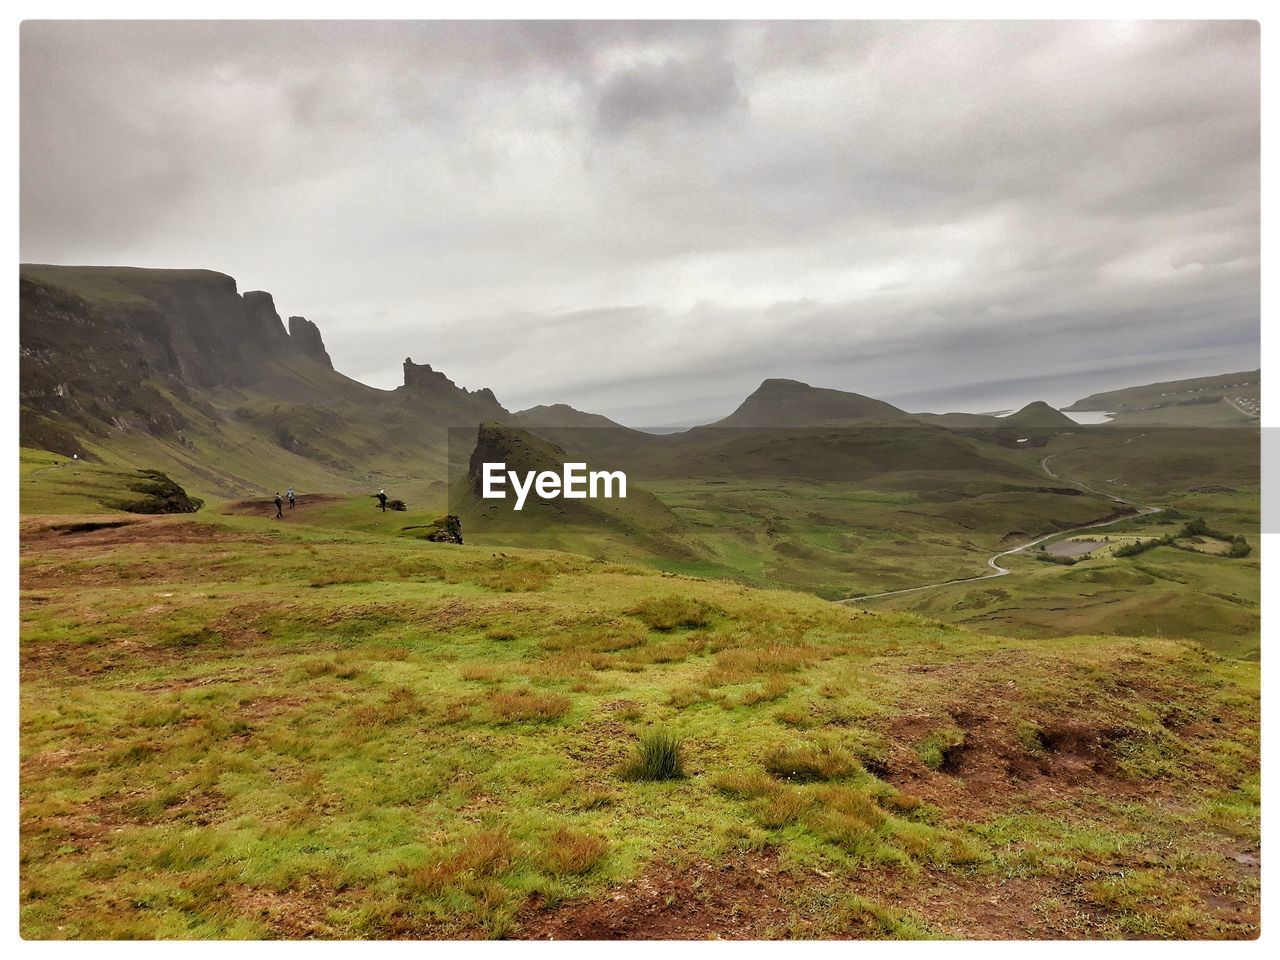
(645, 220)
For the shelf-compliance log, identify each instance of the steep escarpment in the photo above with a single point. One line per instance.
(192, 325)
(178, 369)
(102, 346)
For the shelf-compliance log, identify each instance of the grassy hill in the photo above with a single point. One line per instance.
(790, 403)
(1035, 416)
(1228, 399)
(1038, 415)
(48, 484)
(639, 526)
(238, 728)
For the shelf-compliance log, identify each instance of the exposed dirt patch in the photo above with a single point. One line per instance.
(744, 899)
(266, 506)
(982, 906)
(88, 526)
(604, 744)
(1081, 748)
(288, 914)
(94, 531)
(996, 766)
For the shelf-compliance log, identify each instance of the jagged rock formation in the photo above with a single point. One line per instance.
(305, 336)
(181, 356)
(264, 327)
(431, 390)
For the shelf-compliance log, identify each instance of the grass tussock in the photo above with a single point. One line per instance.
(672, 612)
(527, 706)
(780, 807)
(799, 716)
(342, 667)
(339, 578)
(773, 689)
(684, 697)
(657, 757)
(743, 665)
(514, 580)
(483, 855)
(573, 852)
(608, 637)
(744, 786)
(810, 762)
(484, 672)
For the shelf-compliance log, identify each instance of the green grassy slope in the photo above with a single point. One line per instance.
(236, 729)
(51, 484)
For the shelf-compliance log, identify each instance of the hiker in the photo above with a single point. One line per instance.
(382, 500)
(279, 503)
(293, 501)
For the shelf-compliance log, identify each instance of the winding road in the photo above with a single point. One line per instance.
(994, 561)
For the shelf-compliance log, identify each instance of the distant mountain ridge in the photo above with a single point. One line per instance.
(563, 416)
(178, 370)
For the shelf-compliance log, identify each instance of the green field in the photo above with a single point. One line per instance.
(237, 728)
(233, 726)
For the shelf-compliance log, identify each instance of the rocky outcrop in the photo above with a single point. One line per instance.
(431, 390)
(306, 339)
(444, 530)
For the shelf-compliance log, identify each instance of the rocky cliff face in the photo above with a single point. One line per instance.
(306, 338)
(106, 349)
(109, 322)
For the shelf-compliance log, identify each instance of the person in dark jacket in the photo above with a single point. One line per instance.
(279, 503)
(382, 500)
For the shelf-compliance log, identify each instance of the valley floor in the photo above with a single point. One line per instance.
(236, 729)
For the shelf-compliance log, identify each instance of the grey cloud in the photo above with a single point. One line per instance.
(654, 216)
(690, 91)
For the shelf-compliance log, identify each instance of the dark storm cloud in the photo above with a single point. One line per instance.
(690, 91)
(646, 219)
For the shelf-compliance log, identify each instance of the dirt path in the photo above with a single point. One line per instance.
(994, 561)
